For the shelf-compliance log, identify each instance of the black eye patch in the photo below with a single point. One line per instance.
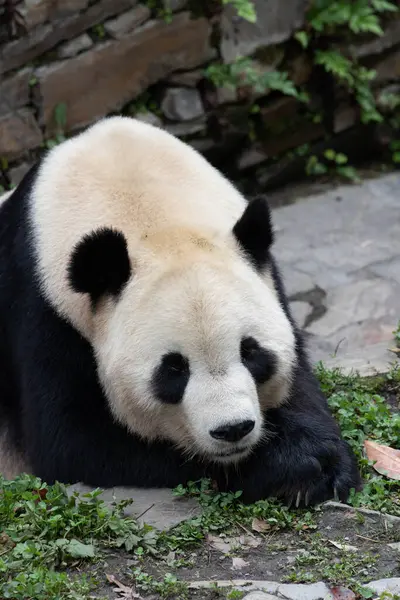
(171, 377)
(261, 363)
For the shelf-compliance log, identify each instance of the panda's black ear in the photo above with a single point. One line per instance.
(254, 232)
(100, 264)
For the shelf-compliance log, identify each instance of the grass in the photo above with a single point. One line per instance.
(363, 413)
(319, 562)
(47, 535)
(396, 334)
(44, 529)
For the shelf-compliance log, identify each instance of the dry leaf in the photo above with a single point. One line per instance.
(223, 545)
(249, 540)
(387, 460)
(345, 547)
(125, 592)
(260, 525)
(226, 545)
(238, 563)
(341, 593)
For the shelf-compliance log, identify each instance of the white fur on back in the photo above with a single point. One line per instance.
(129, 175)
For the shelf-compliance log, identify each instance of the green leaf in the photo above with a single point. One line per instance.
(330, 154)
(76, 549)
(365, 24)
(60, 115)
(396, 157)
(341, 159)
(349, 173)
(335, 63)
(302, 38)
(244, 8)
(384, 6)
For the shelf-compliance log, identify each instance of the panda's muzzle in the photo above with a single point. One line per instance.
(233, 432)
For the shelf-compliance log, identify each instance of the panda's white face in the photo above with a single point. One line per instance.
(194, 354)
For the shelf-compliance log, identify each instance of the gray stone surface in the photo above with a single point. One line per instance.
(340, 253)
(386, 585)
(276, 20)
(19, 132)
(187, 78)
(17, 173)
(174, 5)
(187, 127)
(266, 590)
(25, 49)
(156, 507)
(14, 91)
(183, 43)
(127, 22)
(301, 310)
(149, 117)
(182, 104)
(390, 38)
(75, 46)
(259, 596)
(313, 591)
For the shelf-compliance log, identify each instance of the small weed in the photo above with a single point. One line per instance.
(396, 332)
(395, 149)
(330, 17)
(335, 163)
(44, 528)
(60, 119)
(40, 583)
(244, 8)
(98, 32)
(223, 512)
(243, 73)
(363, 413)
(162, 9)
(169, 587)
(336, 566)
(235, 595)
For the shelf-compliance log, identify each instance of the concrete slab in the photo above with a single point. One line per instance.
(345, 243)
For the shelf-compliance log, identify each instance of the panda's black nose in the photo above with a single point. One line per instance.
(233, 432)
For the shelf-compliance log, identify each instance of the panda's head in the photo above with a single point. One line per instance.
(191, 341)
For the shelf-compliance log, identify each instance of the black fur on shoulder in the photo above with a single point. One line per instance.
(100, 264)
(254, 232)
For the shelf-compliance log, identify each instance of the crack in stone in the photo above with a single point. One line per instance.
(315, 297)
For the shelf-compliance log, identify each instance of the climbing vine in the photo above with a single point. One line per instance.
(327, 21)
(243, 73)
(327, 18)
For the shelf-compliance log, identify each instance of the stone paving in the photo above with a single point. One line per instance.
(340, 257)
(272, 590)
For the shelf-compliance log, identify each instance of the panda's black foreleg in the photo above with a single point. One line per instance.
(303, 460)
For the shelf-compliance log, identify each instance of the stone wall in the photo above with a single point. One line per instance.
(99, 57)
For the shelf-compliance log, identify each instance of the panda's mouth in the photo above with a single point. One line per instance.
(233, 454)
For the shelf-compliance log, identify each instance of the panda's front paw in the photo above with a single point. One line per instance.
(328, 472)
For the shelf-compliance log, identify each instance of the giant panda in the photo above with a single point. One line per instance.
(146, 338)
